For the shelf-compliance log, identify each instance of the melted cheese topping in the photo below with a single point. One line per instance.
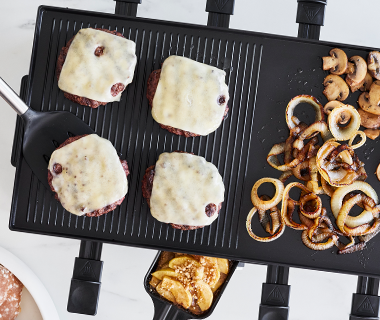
(187, 96)
(92, 176)
(87, 75)
(183, 186)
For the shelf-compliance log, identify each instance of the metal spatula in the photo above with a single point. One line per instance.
(43, 131)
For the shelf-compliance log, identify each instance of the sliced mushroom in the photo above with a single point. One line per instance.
(369, 120)
(367, 82)
(370, 101)
(336, 63)
(378, 172)
(374, 64)
(329, 106)
(356, 71)
(364, 85)
(372, 133)
(356, 87)
(344, 116)
(335, 88)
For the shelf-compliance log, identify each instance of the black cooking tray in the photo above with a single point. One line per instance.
(263, 72)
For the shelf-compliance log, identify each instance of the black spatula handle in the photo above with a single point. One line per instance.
(11, 97)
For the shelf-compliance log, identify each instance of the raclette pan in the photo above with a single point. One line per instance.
(166, 310)
(263, 73)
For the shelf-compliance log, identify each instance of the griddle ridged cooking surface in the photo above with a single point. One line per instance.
(263, 73)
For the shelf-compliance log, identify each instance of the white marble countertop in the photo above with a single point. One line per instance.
(122, 294)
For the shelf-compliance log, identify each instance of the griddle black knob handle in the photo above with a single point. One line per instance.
(85, 286)
(365, 307)
(130, 1)
(221, 6)
(310, 17)
(219, 12)
(311, 11)
(274, 302)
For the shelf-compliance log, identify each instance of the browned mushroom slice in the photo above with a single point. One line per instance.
(356, 71)
(335, 88)
(369, 120)
(370, 101)
(329, 106)
(374, 64)
(344, 116)
(355, 87)
(336, 63)
(372, 133)
(378, 172)
(366, 83)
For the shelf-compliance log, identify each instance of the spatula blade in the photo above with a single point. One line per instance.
(44, 132)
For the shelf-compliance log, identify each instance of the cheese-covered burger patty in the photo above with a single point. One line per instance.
(184, 190)
(95, 66)
(87, 175)
(187, 97)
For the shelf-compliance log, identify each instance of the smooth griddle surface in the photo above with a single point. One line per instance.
(263, 72)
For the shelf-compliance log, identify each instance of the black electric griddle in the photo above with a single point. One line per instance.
(263, 73)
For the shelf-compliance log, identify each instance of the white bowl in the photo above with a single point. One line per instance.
(33, 285)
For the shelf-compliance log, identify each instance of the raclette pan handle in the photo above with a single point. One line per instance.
(167, 311)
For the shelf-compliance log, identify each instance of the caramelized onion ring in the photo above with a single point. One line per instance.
(369, 236)
(287, 201)
(363, 139)
(337, 174)
(357, 247)
(311, 211)
(360, 230)
(314, 187)
(265, 205)
(313, 184)
(274, 218)
(337, 202)
(285, 176)
(310, 132)
(327, 188)
(370, 205)
(287, 215)
(291, 120)
(298, 171)
(343, 214)
(272, 159)
(349, 131)
(248, 223)
(318, 246)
